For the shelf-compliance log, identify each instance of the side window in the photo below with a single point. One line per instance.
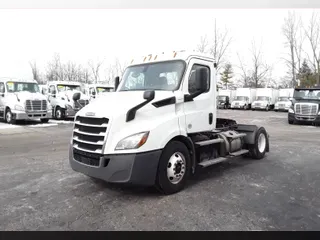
(51, 89)
(2, 90)
(192, 78)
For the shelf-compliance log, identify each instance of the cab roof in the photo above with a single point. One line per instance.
(169, 56)
(64, 83)
(11, 79)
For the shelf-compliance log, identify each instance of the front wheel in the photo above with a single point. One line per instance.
(259, 148)
(59, 114)
(9, 117)
(290, 121)
(44, 120)
(174, 168)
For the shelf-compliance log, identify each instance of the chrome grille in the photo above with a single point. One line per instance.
(36, 105)
(282, 105)
(257, 104)
(236, 104)
(89, 133)
(306, 108)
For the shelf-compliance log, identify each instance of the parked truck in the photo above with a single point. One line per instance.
(21, 100)
(265, 99)
(284, 101)
(305, 106)
(225, 97)
(156, 132)
(66, 98)
(244, 98)
(97, 89)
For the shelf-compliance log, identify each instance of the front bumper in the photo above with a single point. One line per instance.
(303, 118)
(258, 107)
(237, 106)
(135, 169)
(281, 108)
(21, 115)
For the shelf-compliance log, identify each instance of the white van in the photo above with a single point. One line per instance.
(22, 100)
(265, 98)
(243, 99)
(284, 103)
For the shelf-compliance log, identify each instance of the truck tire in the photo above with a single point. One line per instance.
(44, 120)
(290, 121)
(174, 168)
(8, 117)
(258, 149)
(59, 113)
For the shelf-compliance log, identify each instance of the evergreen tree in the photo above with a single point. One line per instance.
(226, 75)
(306, 76)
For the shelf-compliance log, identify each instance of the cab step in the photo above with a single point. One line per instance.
(239, 153)
(212, 161)
(208, 142)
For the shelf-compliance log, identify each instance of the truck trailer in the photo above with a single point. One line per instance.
(160, 125)
(284, 101)
(244, 98)
(265, 99)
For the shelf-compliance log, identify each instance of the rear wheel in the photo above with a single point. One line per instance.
(259, 148)
(174, 168)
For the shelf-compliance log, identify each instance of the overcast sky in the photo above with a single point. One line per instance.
(80, 35)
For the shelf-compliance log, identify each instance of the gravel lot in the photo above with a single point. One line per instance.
(39, 191)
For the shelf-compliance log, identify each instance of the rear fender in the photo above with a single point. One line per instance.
(251, 132)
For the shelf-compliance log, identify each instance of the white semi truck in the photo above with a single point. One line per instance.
(66, 98)
(22, 100)
(265, 99)
(244, 98)
(160, 125)
(225, 97)
(284, 101)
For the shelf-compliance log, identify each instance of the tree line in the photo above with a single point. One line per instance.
(302, 59)
(58, 70)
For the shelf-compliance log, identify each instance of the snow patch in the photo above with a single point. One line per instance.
(43, 125)
(8, 126)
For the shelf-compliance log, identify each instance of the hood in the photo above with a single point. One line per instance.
(24, 95)
(118, 103)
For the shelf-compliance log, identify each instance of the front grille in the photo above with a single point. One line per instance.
(257, 104)
(91, 159)
(89, 133)
(236, 104)
(36, 105)
(282, 105)
(306, 109)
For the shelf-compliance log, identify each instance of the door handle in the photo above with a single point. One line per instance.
(210, 118)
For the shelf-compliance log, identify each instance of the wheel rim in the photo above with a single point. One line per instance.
(58, 113)
(8, 116)
(262, 142)
(176, 168)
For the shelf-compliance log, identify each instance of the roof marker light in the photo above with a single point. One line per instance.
(150, 56)
(175, 54)
(155, 57)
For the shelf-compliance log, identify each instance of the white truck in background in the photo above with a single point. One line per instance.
(22, 100)
(160, 125)
(244, 98)
(66, 98)
(265, 99)
(98, 89)
(284, 101)
(225, 97)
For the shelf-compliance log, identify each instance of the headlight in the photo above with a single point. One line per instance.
(19, 108)
(291, 110)
(133, 141)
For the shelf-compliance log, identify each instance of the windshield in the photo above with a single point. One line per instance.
(63, 88)
(222, 97)
(241, 98)
(307, 94)
(22, 86)
(261, 98)
(104, 89)
(283, 99)
(164, 76)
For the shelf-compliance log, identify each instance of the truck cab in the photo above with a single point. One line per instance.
(22, 100)
(305, 106)
(66, 98)
(243, 98)
(284, 101)
(224, 98)
(98, 89)
(160, 125)
(265, 99)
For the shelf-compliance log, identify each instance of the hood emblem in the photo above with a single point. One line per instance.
(90, 114)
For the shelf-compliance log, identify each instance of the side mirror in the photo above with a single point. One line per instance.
(116, 83)
(149, 95)
(76, 96)
(201, 80)
(93, 93)
(54, 92)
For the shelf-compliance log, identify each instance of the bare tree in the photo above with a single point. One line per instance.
(218, 46)
(259, 68)
(35, 71)
(203, 45)
(95, 69)
(245, 79)
(290, 28)
(70, 71)
(54, 71)
(313, 35)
